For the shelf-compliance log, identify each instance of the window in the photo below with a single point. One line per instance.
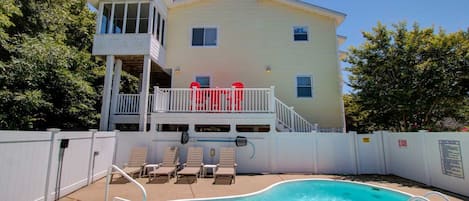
(253, 128)
(162, 32)
(106, 19)
(304, 86)
(128, 18)
(153, 21)
(203, 80)
(131, 18)
(212, 128)
(158, 19)
(118, 21)
(300, 33)
(144, 14)
(204, 37)
(172, 127)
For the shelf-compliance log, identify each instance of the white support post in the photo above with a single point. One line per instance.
(156, 98)
(143, 106)
(232, 101)
(111, 20)
(272, 99)
(194, 97)
(292, 118)
(124, 27)
(137, 25)
(99, 19)
(150, 18)
(115, 87)
(104, 122)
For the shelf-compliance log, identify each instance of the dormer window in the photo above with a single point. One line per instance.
(300, 33)
(204, 37)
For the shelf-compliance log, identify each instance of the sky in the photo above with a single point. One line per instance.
(362, 15)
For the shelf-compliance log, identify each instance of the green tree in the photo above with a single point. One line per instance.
(356, 117)
(48, 77)
(410, 79)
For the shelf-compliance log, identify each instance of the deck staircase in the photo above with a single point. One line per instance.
(288, 120)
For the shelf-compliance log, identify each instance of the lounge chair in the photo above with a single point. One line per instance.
(227, 164)
(138, 158)
(193, 164)
(169, 164)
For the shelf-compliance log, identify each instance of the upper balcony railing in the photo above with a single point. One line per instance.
(128, 104)
(222, 100)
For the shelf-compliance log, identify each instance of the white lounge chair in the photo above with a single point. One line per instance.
(138, 158)
(227, 164)
(193, 165)
(169, 164)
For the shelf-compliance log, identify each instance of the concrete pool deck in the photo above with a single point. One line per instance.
(159, 189)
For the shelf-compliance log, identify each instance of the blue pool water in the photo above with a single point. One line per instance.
(322, 190)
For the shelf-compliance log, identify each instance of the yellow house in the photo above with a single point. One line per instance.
(283, 52)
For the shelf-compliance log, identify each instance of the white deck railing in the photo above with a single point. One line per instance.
(289, 118)
(225, 100)
(129, 104)
(217, 100)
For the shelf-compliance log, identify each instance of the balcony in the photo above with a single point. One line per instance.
(129, 44)
(214, 100)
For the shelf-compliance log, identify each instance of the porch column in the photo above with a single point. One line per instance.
(144, 93)
(103, 124)
(116, 83)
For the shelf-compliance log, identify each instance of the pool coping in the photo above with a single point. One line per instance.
(294, 180)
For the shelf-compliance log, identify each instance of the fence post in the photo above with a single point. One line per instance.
(53, 131)
(292, 119)
(383, 150)
(356, 152)
(272, 99)
(92, 157)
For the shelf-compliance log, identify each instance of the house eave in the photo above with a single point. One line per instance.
(338, 17)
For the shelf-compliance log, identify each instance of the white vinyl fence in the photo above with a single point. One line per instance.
(265, 152)
(436, 159)
(33, 168)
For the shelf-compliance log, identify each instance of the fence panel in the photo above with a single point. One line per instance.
(24, 158)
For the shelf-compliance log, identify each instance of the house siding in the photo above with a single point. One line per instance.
(251, 35)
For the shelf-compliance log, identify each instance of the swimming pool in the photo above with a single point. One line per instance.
(320, 190)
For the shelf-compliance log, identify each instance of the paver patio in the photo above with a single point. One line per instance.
(158, 190)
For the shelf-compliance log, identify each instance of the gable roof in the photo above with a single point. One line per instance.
(336, 15)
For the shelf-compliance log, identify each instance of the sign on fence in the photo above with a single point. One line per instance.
(451, 160)
(402, 143)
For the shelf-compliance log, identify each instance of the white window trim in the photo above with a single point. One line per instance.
(204, 27)
(124, 26)
(293, 34)
(204, 75)
(312, 86)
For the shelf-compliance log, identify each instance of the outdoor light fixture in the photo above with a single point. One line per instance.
(177, 69)
(268, 69)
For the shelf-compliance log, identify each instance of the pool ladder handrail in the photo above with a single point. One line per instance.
(426, 195)
(108, 181)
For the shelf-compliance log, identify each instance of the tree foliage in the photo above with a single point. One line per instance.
(408, 79)
(48, 77)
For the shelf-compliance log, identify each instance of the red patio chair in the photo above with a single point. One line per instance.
(238, 95)
(199, 98)
(215, 96)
